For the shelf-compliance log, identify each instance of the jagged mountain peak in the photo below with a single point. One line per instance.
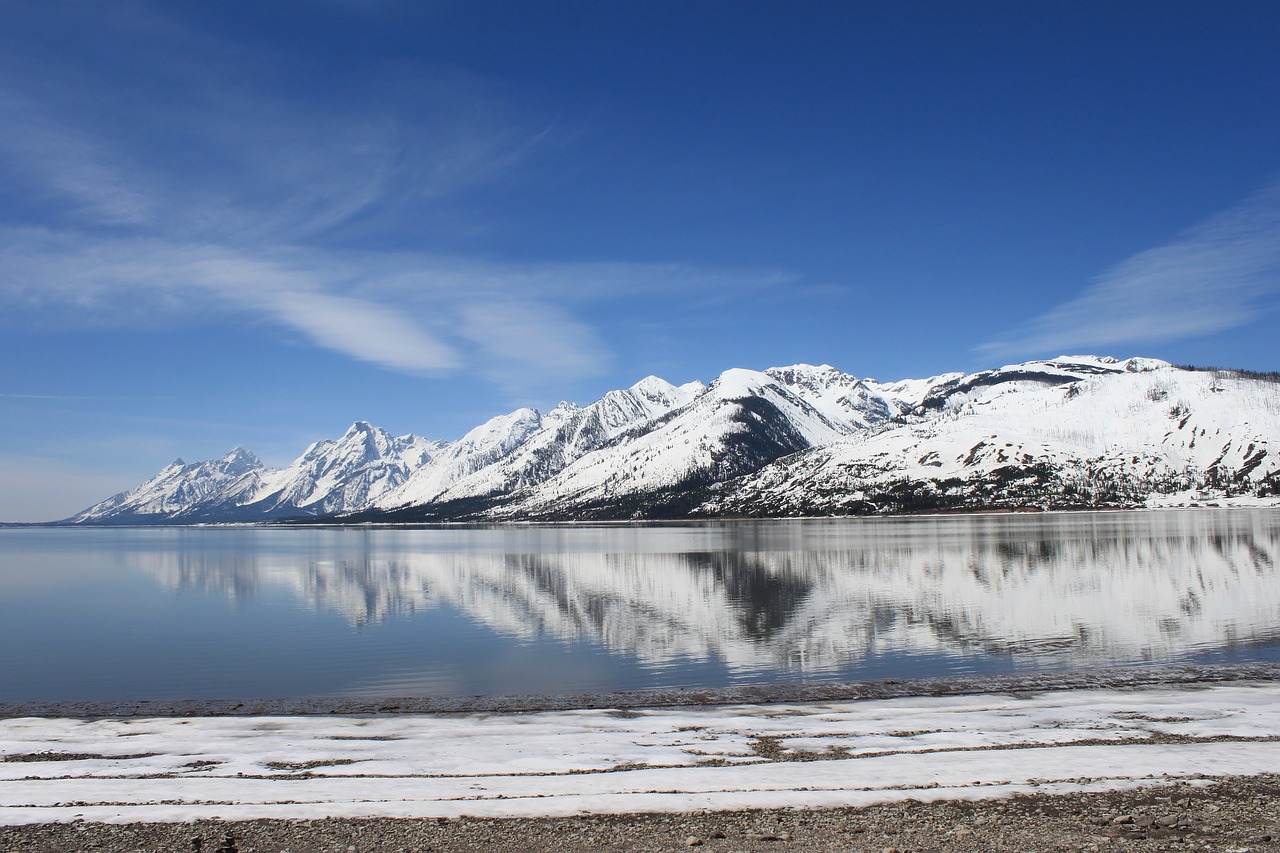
(332, 475)
(506, 429)
(805, 381)
(801, 370)
(820, 380)
(562, 408)
(543, 448)
(178, 488)
(481, 447)
(651, 381)
(362, 437)
(240, 456)
(843, 398)
(655, 388)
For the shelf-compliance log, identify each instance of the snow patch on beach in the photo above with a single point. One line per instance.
(804, 755)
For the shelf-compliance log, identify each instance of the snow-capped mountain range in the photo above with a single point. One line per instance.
(1071, 432)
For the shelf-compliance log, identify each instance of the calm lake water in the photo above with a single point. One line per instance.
(231, 613)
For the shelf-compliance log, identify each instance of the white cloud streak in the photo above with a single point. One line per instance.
(364, 330)
(132, 245)
(222, 198)
(1216, 276)
(410, 312)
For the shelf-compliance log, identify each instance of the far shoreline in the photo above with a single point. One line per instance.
(1118, 677)
(335, 522)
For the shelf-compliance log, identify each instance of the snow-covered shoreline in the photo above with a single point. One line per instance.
(616, 760)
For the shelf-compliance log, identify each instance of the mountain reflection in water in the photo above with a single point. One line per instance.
(801, 596)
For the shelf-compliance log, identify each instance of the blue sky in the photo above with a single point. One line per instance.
(253, 223)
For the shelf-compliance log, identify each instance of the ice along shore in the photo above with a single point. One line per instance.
(823, 754)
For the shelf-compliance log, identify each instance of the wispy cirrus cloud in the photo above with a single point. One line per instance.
(517, 325)
(221, 196)
(58, 164)
(1216, 276)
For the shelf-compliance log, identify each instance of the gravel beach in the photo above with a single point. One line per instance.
(1230, 814)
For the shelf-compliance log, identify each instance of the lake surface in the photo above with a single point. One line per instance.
(233, 613)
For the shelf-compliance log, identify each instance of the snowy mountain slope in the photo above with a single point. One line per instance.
(331, 476)
(343, 475)
(567, 434)
(743, 420)
(842, 398)
(179, 488)
(481, 447)
(1088, 432)
(1075, 431)
(1060, 371)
